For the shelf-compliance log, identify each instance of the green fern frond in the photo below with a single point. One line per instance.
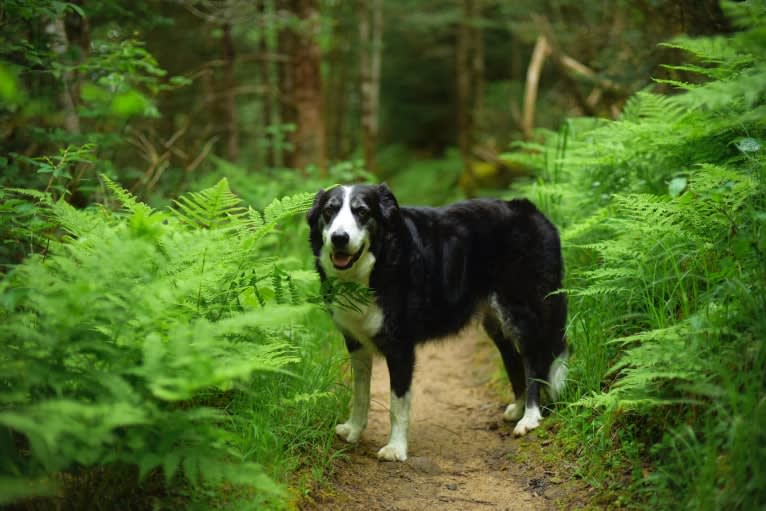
(715, 50)
(76, 222)
(126, 199)
(254, 219)
(279, 209)
(213, 208)
(649, 108)
(741, 92)
(258, 225)
(597, 290)
(584, 228)
(35, 194)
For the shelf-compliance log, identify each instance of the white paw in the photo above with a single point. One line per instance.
(348, 432)
(513, 412)
(530, 421)
(393, 452)
(524, 426)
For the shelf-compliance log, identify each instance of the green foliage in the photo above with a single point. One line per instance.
(422, 181)
(664, 215)
(72, 88)
(144, 338)
(22, 226)
(10, 92)
(60, 168)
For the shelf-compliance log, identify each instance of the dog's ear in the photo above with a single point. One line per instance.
(313, 215)
(389, 208)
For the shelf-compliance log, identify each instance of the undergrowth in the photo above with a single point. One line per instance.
(664, 216)
(175, 352)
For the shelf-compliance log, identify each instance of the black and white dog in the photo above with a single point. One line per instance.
(432, 271)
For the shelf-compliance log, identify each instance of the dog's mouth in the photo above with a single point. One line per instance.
(343, 260)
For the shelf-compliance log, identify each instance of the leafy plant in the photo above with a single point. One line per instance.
(126, 344)
(664, 215)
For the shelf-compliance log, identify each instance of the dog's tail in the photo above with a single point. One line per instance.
(557, 375)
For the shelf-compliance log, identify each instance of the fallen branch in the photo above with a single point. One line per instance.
(583, 71)
(541, 51)
(572, 66)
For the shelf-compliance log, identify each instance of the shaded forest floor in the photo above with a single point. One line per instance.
(462, 455)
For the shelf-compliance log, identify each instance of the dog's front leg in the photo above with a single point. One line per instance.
(361, 366)
(400, 367)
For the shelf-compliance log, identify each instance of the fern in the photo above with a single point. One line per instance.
(78, 223)
(211, 208)
(126, 199)
(664, 239)
(722, 59)
(646, 107)
(286, 207)
(113, 340)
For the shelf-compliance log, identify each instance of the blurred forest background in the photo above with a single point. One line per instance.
(156, 94)
(164, 339)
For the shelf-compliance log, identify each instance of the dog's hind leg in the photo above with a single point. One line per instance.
(544, 353)
(361, 366)
(514, 366)
(516, 331)
(401, 364)
(532, 414)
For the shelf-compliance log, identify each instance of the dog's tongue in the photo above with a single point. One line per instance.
(341, 259)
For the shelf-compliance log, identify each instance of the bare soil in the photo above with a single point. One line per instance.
(462, 455)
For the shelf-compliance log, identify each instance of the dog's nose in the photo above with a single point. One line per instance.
(339, 239)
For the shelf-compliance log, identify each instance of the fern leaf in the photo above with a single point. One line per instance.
(647, 107)
(76, 222)
(35, 194)
(254, 219)
(212, 208)
(126, 199)
(279, 209)
(716, 51)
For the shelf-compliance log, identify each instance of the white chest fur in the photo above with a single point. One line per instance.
(363, 325)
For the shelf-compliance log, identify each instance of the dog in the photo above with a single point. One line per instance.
(432, 271)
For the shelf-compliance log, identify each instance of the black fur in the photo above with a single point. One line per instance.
(436, 268)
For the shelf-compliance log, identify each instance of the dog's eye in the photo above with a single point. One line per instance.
(362, 213)
(327, 213)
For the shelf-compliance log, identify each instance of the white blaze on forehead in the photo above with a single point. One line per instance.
(358, 243)
(344, 221)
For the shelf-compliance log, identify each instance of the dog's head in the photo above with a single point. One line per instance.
(347, 223)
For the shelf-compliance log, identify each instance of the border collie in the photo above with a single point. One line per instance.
(432, 271)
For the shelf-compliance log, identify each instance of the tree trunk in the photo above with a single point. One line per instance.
(365, 77)
(230, 95)
(369, 64)
(273, 101)
(257, 154)
(309, 136)
(68, 34)
(336, 100)
(60, 45)
(470, 71)
(477, 70)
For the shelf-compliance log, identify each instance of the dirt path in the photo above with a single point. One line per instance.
(460, 449)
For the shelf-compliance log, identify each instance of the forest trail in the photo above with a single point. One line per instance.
(460, 450)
